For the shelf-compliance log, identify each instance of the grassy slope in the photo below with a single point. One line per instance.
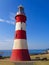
(25, 63)
(7, 62)
(41, 63)
(41, 56)
(16, 63)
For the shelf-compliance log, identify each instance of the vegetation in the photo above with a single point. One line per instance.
(25, 63)
(41, 63)
(1, 57)
(41, 56)
(41, 59)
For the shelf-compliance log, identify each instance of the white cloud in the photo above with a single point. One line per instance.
(7, 21)
(10, 22)
(13, 23)
(12, 16)
(2, 20)
(11, 19)
(8, 40)
(6, 44)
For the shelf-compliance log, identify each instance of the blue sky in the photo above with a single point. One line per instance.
(37, 12)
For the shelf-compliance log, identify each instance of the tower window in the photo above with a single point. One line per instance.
(21, 28)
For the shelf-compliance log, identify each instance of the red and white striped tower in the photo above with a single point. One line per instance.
(20, 49)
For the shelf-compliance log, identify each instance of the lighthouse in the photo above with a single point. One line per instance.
(20, 48)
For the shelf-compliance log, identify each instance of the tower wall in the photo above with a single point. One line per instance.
(20, 48)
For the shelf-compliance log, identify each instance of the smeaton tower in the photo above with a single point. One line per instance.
(20, 48)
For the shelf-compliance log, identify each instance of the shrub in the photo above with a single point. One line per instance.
(44, 58)
(38, 58)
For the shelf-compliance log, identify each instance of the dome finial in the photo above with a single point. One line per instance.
(20, 10)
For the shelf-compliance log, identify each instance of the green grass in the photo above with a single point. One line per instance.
(25, 63)
(16, 63)
(41, 63)
(40, 55)
(8, 62)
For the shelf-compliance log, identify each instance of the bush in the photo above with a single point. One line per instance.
(44, 58)
(38, 58)
(0, 57)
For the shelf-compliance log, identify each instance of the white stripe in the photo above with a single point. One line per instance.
(20, 44)
(20, 26)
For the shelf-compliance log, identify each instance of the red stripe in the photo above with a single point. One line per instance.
(20, 55)
(20, 18)
(20, 34)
